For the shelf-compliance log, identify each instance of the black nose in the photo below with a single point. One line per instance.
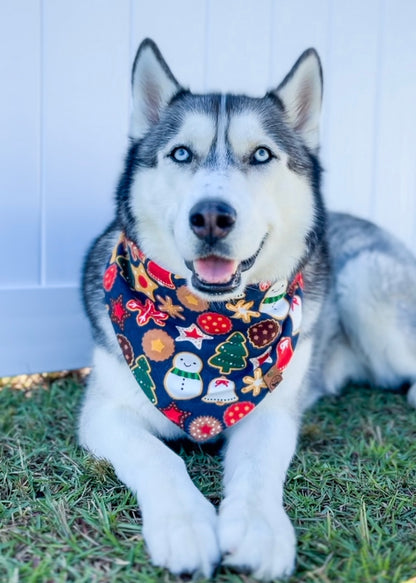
(211, 220)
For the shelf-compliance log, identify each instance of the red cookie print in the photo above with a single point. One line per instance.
(297, 282)
(174, 414)
(160, 275)
(205, 427)
(109, 277)
(147, 312)
(284, 352)
(118, 312)
(264, 285)
(237, 411)
(213, 323)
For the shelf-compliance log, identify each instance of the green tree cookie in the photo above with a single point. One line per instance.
(231, 354)
(141, 372)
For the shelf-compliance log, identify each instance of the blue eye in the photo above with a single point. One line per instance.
(181, 154)
(261, 156)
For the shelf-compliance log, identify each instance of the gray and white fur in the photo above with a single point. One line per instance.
(237, 179)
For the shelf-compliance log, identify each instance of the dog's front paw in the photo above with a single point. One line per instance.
(256, 540)
(183, 539)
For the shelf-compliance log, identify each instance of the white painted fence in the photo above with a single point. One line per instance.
(64, 100)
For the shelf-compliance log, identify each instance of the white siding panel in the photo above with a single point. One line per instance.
(179, 30)
(20, 125)
(395, 168)
(350, 94)
(64, 108)
(238, 46)
(86, 88)
(43, 330)
(296, 26)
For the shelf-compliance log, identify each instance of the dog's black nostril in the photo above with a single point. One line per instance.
(211, 220)
(197, 220)
(225, 221)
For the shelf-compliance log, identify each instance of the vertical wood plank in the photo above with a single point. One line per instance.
(19, 142)
(86, 87)
(64, 104)
(178, 28)
(238, 46)
(296, 26)
(350, 94)
(46, 331)
(395, 168)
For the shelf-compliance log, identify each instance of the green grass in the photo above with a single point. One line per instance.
(351, 492)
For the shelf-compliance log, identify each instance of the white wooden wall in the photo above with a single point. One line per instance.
(64, 101)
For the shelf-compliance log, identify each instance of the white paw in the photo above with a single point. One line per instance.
(183, 539)
(255, 539)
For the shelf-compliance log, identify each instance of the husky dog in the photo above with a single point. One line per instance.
(219, 198)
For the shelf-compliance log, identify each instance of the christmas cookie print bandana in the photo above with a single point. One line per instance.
(203, 365)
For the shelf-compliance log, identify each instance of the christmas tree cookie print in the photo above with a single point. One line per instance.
(183, 380)
(231, 354)
(141, 371)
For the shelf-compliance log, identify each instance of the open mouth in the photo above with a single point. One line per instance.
(214, 274)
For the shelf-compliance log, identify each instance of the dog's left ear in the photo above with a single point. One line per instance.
(153, 86)
(301, 95)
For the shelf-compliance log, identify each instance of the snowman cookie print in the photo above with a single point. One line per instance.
(183, 380)
(275, 303)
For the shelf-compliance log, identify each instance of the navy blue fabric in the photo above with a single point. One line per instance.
(203, 365)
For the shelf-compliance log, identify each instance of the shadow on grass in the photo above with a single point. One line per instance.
(350, 491)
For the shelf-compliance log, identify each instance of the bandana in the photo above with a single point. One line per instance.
(204, 365)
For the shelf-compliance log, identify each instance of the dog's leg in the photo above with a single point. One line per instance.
(179, 524)
(411, 395)
(255, 531)
(376, 297)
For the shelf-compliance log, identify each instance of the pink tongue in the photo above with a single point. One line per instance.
(215, 269)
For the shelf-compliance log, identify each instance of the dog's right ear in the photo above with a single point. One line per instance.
(301, 95)
(153, 86)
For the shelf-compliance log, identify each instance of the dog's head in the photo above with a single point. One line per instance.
(218, 188)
